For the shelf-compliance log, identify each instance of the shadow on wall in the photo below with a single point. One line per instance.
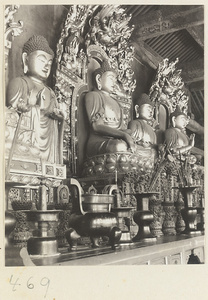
(43, 20)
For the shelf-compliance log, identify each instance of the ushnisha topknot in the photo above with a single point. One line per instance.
(177, 112)
(144, 99)
(37, 42)
(105, 67)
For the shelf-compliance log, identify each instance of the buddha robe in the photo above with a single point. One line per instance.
(40, 132)
(175, 138)
(102, 108)
(142, 133)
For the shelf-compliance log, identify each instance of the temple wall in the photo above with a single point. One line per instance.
(144, 76)
(43, 20)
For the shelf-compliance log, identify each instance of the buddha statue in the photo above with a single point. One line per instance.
(34, 118)
(107, 130)
(142, 128)
(176, 138)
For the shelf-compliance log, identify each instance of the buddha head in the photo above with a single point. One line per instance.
(105, 78)
(37, 58)
(144, 108)
(179, 119)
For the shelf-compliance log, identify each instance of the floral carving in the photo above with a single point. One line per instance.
(11, 28)
(109, 29)
(168, 86)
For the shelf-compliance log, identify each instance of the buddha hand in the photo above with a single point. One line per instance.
(192, 140)
(22, 106)
(57, 114)
(130, 142)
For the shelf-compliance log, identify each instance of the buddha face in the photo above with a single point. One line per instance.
(39, 64)
(107, 81)
(146, 112)
(180, 121)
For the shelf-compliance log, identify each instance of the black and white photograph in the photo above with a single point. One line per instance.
(103, 138)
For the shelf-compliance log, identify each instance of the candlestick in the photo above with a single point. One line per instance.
(116, 176)
(43, 197)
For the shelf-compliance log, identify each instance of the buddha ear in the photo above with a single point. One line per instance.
(137, 110)
(98, 81)
(173, 121)
(25, 62)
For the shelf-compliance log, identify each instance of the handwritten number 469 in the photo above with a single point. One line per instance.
(44, 282)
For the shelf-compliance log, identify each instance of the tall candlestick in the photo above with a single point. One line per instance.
(116, 176)
(42, 197)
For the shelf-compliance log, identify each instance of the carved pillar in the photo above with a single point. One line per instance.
(21, 233)
(11, 29)
(179, 204)
(157, 211)
(63, 227)
(169, 227)
(169, 220)
(167, 182)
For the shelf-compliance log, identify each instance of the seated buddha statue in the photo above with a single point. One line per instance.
(34, 120)
(107, 130)
(142, 130)
(176, 138)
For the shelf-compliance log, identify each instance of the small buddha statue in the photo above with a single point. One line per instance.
(107, 130)
(34, 119)
(142, 128)
(176, 137)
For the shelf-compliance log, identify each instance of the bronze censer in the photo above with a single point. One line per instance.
(91, 217)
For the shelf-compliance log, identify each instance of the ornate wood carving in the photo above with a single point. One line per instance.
(168, 87)
(11, 28)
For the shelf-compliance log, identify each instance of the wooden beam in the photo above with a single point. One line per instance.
(197, 32)
(195, 127)
(197, 151)
(147, 55)
(198, 100)
(196, 86)
(194, 107)
(166, 20)
(192, 71)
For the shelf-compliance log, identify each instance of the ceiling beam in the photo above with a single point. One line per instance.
(146, 55)
(196, 86)
(166, 20)
(197, 32)
(192, 71)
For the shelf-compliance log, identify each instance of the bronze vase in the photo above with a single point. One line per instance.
(143, 217)
(189, 212)
(10, 222)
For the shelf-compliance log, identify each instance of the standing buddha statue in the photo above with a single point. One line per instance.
(32, 108)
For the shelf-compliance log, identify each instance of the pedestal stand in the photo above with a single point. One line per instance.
(43, 244)
(143, 217)
(189, 212)
(121, 213)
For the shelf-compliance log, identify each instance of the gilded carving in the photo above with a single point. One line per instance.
(168, 87)
(11, 28)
